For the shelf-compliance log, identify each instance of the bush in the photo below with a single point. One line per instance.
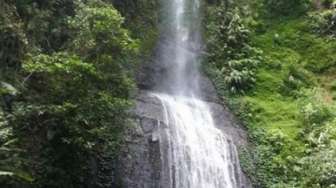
(228, 37)
(45, 24)
(12, 171)
(324, 23)
(13, 41)
(333, 85)
(98, 32)
(328, 3)
(286, 7)
(319, 167)
(275, 163)
(229, 50)
(297, 79)
(73, 104)
(239, 75)
(59, 78)
(315, 112)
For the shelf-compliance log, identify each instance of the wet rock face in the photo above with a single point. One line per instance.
(140, 162)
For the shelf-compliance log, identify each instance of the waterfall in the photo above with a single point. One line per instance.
(195, 153)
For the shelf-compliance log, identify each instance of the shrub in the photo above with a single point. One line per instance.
(12, 171)
(239, 75)
(98, 31)
(230, 51)
(274, 164)
(286, 7)
(319, 168)
(324, 23)
(228, 37)
(74, 100)
(328, 3)
(13, 41)
(296, 79)
(73, 108)
(315, 112)
(333, 86)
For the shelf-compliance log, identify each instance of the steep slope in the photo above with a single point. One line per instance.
(276, 73)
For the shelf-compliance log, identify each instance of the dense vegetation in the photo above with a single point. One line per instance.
(274, 64)
(67, 84)
(66, 80)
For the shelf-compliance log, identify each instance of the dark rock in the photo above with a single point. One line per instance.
(208, 92)
(140, 163)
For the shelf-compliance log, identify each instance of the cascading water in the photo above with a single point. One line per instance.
(198, 154)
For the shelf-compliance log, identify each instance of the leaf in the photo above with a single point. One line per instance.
(6, 173)
(21, 175)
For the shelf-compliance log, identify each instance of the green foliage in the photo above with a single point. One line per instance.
(298, 78)
(100, 37)
(319, 166)
(282, 102)
(230, 51)
(98, 31)
(13, 41)
(333, 85)
(74, 84)
(228, 28)
(315, 112)
(324, 23)
(141, 17)
(11, 163)
(286, 7)
(45, 23)
(58, 78)
(87, 129)
(275, 158)
(290, 123)
(327, 3)
(239, 75)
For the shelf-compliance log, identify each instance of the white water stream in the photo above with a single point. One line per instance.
(198, 154)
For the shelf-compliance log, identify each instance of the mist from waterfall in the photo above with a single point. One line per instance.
(197, 154)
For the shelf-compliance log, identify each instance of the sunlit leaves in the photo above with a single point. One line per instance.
(59, 63)
(324, 23)
(99, 30)
(229, 50)
(73, 90)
